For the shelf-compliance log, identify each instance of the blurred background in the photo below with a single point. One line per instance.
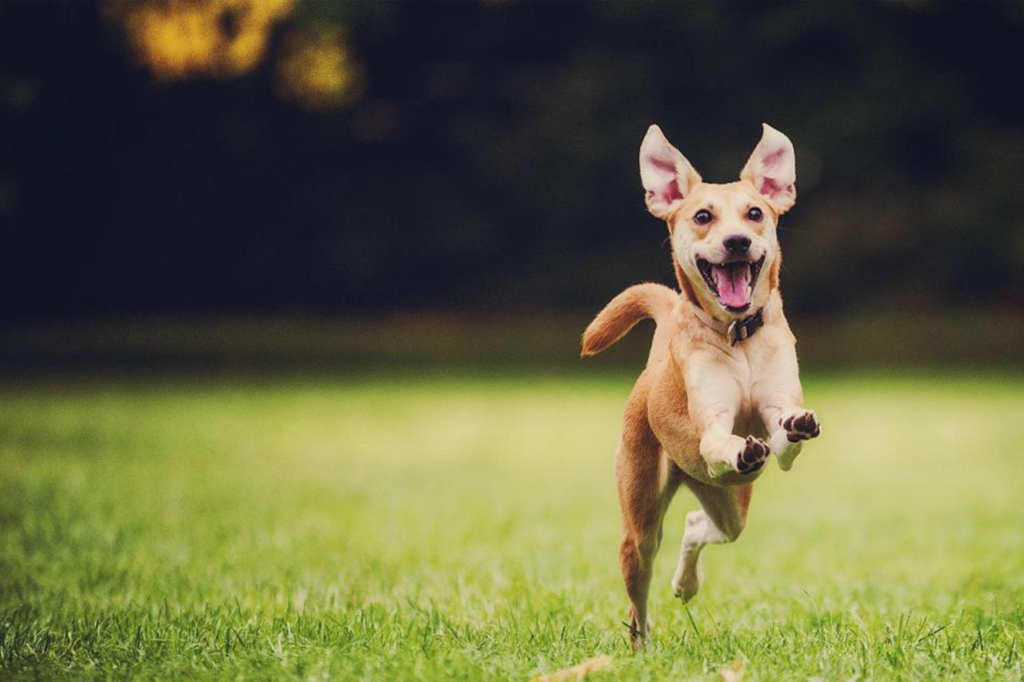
(290, 303)
(251, 184)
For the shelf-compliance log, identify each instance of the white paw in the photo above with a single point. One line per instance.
(746, 456)
(753, 456)
(686, 585)
(787, 442)
(801, 425)
(785, 451)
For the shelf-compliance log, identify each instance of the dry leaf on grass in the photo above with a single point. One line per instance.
(733, 673)
(577, 672)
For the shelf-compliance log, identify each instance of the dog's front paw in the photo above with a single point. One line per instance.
(801, 426)
(753, 456)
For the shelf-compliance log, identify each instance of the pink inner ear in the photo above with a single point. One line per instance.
(668, 182)
(772, 189)
(671, 192)
(773, 160)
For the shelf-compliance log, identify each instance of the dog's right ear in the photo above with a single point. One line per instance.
(665, 173)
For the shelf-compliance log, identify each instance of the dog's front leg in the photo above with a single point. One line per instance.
(780, 399)
(714, 398)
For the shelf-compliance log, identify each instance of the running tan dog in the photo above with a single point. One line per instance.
(721, 390)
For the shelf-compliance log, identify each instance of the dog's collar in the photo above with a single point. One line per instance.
(737, 330)
(741, 330)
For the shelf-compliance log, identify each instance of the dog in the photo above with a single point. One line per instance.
(721, 390)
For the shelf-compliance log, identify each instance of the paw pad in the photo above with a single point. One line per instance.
(753, 456)
(801, 427)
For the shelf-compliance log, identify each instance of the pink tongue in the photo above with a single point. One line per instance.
(733, 285)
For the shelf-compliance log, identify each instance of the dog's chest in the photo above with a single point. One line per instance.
(748, 420)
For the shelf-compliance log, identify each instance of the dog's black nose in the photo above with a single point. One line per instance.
(736, 244)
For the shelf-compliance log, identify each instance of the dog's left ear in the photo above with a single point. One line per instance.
(666, 175)
(772, 169)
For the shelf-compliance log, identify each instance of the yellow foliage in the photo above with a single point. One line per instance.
(178, 39)
(317, 70)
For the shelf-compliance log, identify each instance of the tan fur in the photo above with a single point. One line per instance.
(701, 401)
(636, 303)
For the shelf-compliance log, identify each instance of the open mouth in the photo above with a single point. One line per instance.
(732, 282)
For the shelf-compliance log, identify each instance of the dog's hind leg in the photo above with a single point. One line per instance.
(721, 519)
(646, 483)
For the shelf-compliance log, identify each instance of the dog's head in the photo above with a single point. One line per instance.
(723, 236)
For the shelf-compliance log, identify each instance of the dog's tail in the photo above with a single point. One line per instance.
(623, 312)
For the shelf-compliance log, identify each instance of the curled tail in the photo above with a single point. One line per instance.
(623, 312)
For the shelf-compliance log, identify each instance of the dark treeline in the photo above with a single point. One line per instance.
(489, 160)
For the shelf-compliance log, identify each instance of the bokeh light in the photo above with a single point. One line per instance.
(317, 70)
(180, 39)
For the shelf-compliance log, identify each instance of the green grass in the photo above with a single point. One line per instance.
(465, 528)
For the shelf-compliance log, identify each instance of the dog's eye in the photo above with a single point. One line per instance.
(755, 214)
(702, 217)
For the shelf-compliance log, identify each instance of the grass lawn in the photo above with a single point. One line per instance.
(465, 527)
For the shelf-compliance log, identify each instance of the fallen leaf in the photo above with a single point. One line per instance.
(734, 673)
(577, 672)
